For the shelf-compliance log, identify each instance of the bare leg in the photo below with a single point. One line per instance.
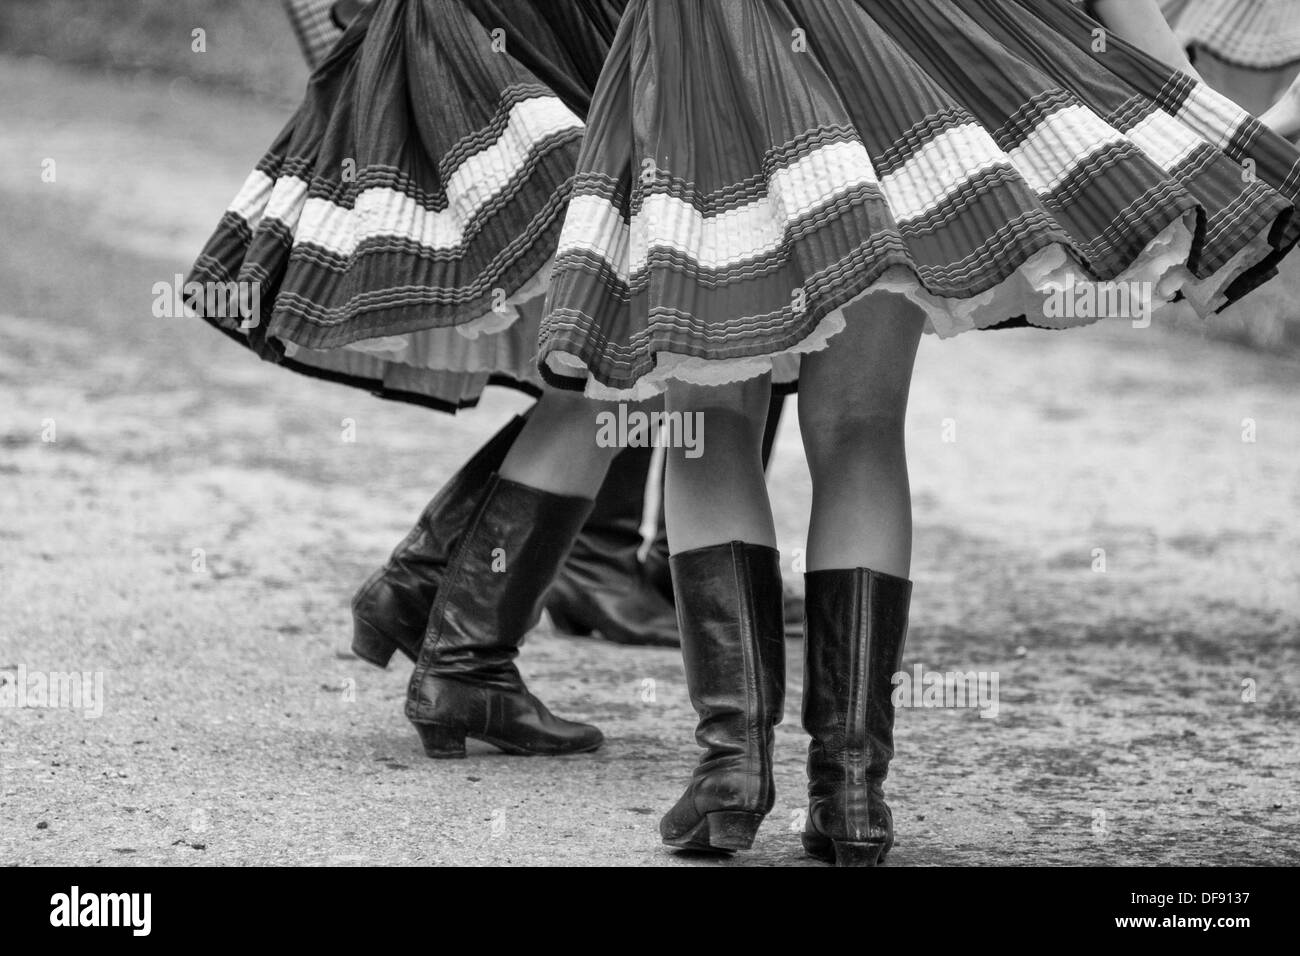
(1284, 116)
(721, 495)
(852, 404)
(557, 450)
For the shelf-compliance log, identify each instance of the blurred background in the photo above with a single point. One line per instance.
(256, 53)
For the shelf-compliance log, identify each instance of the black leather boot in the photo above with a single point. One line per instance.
(729, 609)
(391, 611)
(602, 586)
(465, 682)
(853, 645)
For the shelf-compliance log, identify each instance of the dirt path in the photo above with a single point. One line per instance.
(238, 729)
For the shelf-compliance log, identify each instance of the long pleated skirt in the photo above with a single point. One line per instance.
(756, 171)
(399, 234)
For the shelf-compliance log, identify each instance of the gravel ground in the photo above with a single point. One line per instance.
(1147, 711)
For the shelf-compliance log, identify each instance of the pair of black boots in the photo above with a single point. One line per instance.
(730, 614)
(467, 584)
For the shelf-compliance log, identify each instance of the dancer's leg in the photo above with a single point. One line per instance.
(852, 403)
(853, 399)
(727, 580)
(721, 495)
(465, 682)
(656, 561)
(1283, 117)
(557, 450)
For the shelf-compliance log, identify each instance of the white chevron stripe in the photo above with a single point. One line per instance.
(1165, 140)
(251, 201)
(714, 242)
(391, 212)
(286, 203)
(798, 189)
(1059, 144)
(486, 173)
(938, 169)
(592, 225)
(758, 227)
(1051, 151)
(1212, 115)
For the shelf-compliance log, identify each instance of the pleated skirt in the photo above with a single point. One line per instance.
(756, 171)
(399, 233)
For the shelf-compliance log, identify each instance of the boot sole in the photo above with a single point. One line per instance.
(722, 831)
(846, 852)
(443, 742)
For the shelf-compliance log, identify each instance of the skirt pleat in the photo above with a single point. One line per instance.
(752, 168)
(400, 225)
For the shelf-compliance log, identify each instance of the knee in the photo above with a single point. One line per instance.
(725, 425)
(834, 435)
(735, 413)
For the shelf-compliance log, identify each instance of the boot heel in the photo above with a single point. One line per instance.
(732, 830)
(370, 645)
(564, 624)
(859, 854)
(442, 742)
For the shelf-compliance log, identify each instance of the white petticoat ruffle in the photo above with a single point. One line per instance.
(1161, 268)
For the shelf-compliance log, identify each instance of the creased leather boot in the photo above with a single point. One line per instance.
(391, 610)
(465, 682)
(602, 586)
(853, 645)
(729, 612)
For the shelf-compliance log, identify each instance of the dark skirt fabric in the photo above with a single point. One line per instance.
(752, 168)
(398, 229)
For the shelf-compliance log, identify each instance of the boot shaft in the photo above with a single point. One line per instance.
(391, 609)
(856, 629)
(733, 648)
(510, 552)
(729, 614)
(436, 535)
